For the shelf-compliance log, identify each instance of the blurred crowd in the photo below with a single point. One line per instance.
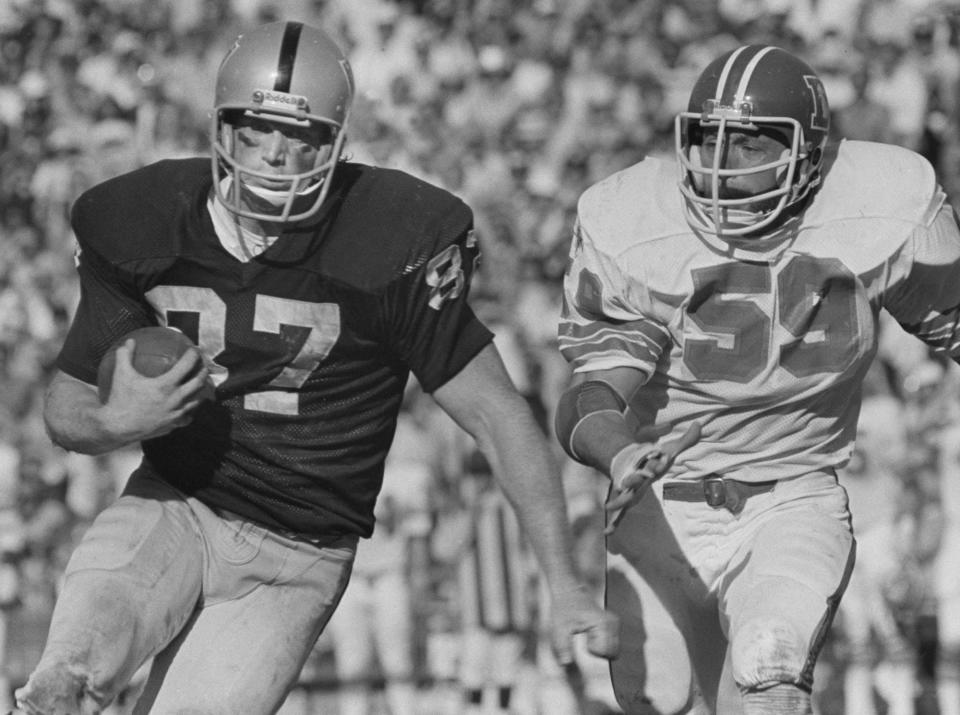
(517, 106)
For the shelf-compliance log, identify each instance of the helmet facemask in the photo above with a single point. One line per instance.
(760, 90)
(701, 185)
(267, 196)
(287, 73)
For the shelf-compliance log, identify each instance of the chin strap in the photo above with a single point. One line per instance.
(279, 198)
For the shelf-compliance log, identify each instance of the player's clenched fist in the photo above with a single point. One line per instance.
(575, 611)
(637, 466)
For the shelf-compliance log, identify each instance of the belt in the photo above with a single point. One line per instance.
(718, 492)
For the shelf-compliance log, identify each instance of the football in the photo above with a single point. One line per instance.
(156, 350)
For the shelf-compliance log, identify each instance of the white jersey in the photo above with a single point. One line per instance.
(765, 342)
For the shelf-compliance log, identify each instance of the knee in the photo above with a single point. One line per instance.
(768, 651)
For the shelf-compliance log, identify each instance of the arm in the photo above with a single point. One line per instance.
(591, 426)
(139, 407)
(593, 431)
(482, 400)
(923, 293)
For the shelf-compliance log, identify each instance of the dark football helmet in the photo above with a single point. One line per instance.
(754, 87)
(287, 72)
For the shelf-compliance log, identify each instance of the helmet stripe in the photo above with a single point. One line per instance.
(725, 74)
(748, 73)
(288, 53)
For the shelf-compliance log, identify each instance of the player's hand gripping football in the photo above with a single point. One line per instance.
(576, 611)
(635, 468)
(146, 407)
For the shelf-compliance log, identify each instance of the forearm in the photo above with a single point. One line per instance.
(591, 420)
(600, 438)
(77, 421)
(483, 401)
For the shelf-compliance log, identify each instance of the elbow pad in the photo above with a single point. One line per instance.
(580, 402)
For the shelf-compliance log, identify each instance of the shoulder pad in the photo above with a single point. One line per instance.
(127, 216)
(645, 194)
(390, 223)
(404, 202)
(872, 180)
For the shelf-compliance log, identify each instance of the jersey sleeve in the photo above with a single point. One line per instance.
(109, 308)
(434, 330)
(924, 296)
(599, 326)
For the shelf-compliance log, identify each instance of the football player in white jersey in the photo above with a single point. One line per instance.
(720, 314)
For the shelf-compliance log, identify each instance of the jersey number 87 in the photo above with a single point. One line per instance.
(270, 314)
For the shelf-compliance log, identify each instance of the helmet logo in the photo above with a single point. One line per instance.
(281, 101)
(819, 118)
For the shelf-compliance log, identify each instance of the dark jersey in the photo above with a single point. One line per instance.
(310, 343)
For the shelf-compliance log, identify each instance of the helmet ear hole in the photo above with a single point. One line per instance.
(816, 156)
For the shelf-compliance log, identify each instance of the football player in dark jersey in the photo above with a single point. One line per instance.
(313, 288)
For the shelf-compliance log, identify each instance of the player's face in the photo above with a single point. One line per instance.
(744, 149)
(279, 148)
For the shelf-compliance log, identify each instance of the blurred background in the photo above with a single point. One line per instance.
(516, 106)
